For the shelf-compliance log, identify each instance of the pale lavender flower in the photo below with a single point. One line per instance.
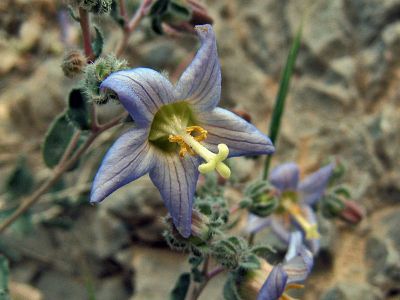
(295, 269)
(178, 132)
(296, 201)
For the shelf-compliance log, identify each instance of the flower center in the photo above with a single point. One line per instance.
(191, 144)
(174, 130)
(295, 211)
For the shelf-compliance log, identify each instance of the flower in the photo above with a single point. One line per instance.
(178, 132)
(298, 264)
(272, 282)
(296, 201)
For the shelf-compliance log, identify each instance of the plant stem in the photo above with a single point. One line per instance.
(87, 41)
(132, 24)
(197, 290)
(61, 168)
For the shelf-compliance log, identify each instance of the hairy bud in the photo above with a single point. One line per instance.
(73, 63)
(260, 199)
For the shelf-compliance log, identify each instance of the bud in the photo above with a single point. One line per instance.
(352, 213)
(250, 282)
(95, 6)
(73, 63)
(331, 206)
(230, 252)
(95, 73)
(260, 198)
(200, 226)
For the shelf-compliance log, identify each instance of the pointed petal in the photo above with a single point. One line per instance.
(299, 267)
(241, 137)
(313, 186)
(255, 223)
(296, 241)
(200, 83)
(176, 180)
(285, 176)
(314, 244)
(141, 91)
(275, 284)
(129, 158)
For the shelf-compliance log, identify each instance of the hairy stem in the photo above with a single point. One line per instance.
(62, 167)
(87, 41)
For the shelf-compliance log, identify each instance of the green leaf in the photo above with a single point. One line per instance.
(57, 140)
(98, 42)
(263, 251)
(282, 95)
(177, 13)
(251, 262)
(78, 109)
(20, 182)
(181, 287)
(4, 274)
(72, 14)
(230, 291)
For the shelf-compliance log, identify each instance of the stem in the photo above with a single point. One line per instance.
(132, 24)
(71, 147)
(61, 168)
(85, 26)
(196, 292)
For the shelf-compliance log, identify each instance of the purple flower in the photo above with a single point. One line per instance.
(178, 132)
(295, 269)
(296, 201)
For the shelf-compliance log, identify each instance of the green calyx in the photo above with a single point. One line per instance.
(170, 119)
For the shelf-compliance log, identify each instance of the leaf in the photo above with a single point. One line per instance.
(282, 95)
(98, 42)
(4, 274)
(177, 13)
(72, 13)
(230, 291)
(78, 109)
(115, 14)
(263, 251)
(250, 263)
(181, 287)
(20, 182)
(57, 140)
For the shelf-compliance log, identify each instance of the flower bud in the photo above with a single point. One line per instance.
(250, 282)
(261, 199)
(73, 63)
(331, 206)
(95, 6)
(352, 213)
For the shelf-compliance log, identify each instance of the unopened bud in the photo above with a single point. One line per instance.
(73, 63)
(331, 206)
(352, 213)
(261, 199)
(250, 283)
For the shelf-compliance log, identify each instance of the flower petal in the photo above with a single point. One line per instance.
(275, 284)
(241, 137)
(285, 176)
(299, 267)
(129, 158)
(313, 186)
(255, 223)
(314, 244)
(200, 83)
(176, 180)
(141, 91)
(296, 241)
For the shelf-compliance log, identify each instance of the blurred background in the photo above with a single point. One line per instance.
(344, 101)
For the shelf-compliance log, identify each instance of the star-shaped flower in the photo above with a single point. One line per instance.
(296, 201)
(178, 132)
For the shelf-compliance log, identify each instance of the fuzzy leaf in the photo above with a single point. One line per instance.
(78, 109)
(177, 13)
(230, 291)
(57, 140)
(20, 182)
(251, 262)
(181, 287)
(263, 251)
(4, 274)
(98, 42)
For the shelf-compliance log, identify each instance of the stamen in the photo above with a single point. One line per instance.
(294, 210)
(191, 144)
